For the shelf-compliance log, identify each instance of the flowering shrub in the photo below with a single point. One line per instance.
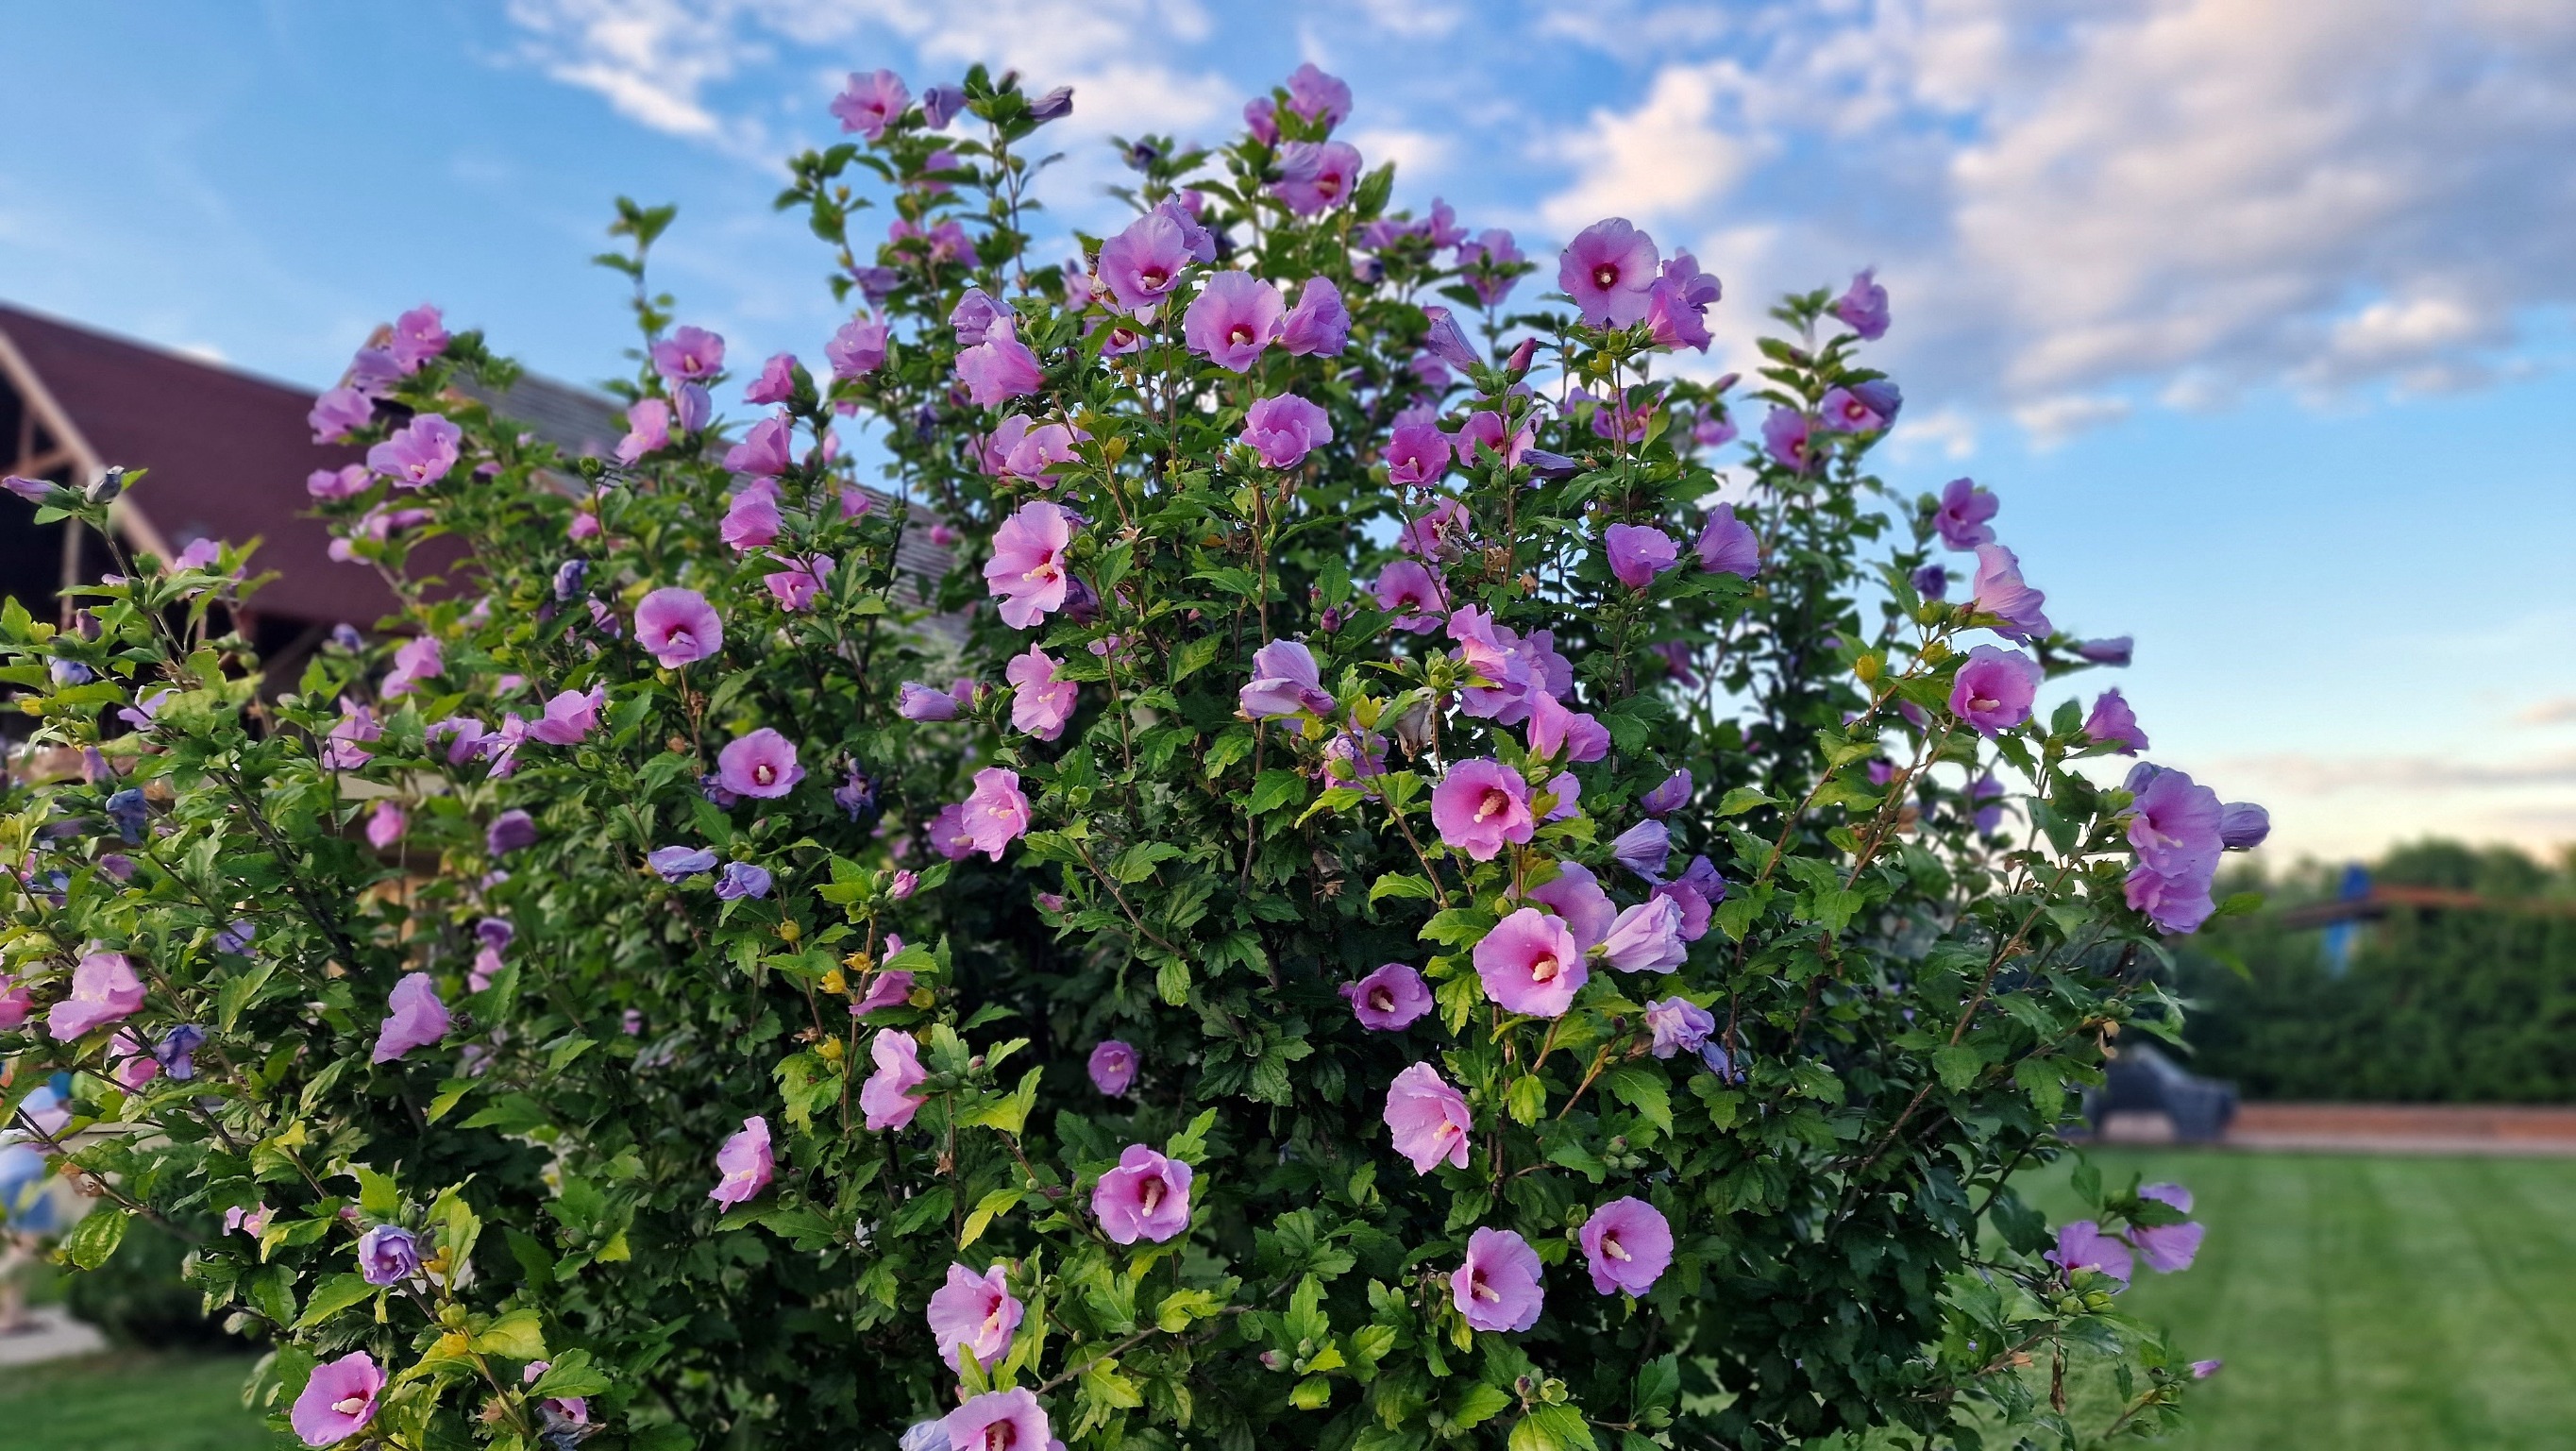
(1401, 891)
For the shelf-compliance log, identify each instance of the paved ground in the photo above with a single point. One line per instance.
(49, 1334)
(2377, 1128)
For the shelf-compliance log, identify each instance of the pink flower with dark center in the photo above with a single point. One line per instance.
(1441, 532)
(1413, 592)
(974, 1312)
(338, 413)
(1022, 448)
(1498, 1288)
(1482, 434)
(338, 1401)
(570, 716)
(1480, 805)
(1319, 324)
(1146, 1197)
(1845, 411)
(1417, 455)
(1646, 938)
(867, 106)
(1863, 306)
(677, 626)
(1040, 703)
(2114, 724)
(1142, 265)
(689, 355)
(2083, 1246)
(996, 813)
(1427, 1119)
(420, 455)
(1609, 271)
(999, 369)
(796, 586)
(1999, 591)
(1314, 175)
(1963, 513)
(1727, 545)
(998, 1421)
(1027, 572)
(415, 1018)
(1628, 1244)
(887, 1098)
(744, 1164)
(1112, 1067)
(1284, 429)
(1639, 552)
(104, 990)
(1530, 964)
(1389, 999)
(2174, 822)
(1993, 690)
(1785, 438)
(1233, 318)
(761, 764)
(1576, 896)
(1285, 681)
(1492, 265)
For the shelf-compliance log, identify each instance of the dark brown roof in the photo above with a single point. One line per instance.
(228, 453)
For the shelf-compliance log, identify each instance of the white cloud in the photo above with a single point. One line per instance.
(1416, 154)
(1671, 156)
(2051, 421)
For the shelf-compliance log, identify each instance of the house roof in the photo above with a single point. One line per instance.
(228, 452)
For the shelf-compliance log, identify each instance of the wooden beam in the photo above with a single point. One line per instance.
(125, 515)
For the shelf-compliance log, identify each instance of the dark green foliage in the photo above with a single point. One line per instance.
(2439, 1005)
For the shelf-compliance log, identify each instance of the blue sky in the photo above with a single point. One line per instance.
(2256, 313)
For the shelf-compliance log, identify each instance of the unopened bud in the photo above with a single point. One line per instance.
(788, 931)
(1866, 667)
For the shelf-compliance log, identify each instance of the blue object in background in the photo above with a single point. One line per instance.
(2340, 936)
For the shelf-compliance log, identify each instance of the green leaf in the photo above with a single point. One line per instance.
(1172, 981)
(1958, 1064)
(1553, 1428)
(376, 1193)
(95, 1237)
(999, 1202)
(572, 1374)
(1526, 1099)
(334, 1295)
(1278, 788)
(1401, 884)
(1480, 1404)
(1137, 862)
(1644, 1089)
(2039, 1078)
(520, 1335)
(1740, 800)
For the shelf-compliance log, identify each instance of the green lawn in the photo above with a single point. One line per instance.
(2395, 1303)
(131, 1402)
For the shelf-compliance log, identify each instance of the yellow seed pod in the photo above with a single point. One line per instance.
(858, 962)
(788, 931)
(835, 983)
(1866, 667)
(830, 1048)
